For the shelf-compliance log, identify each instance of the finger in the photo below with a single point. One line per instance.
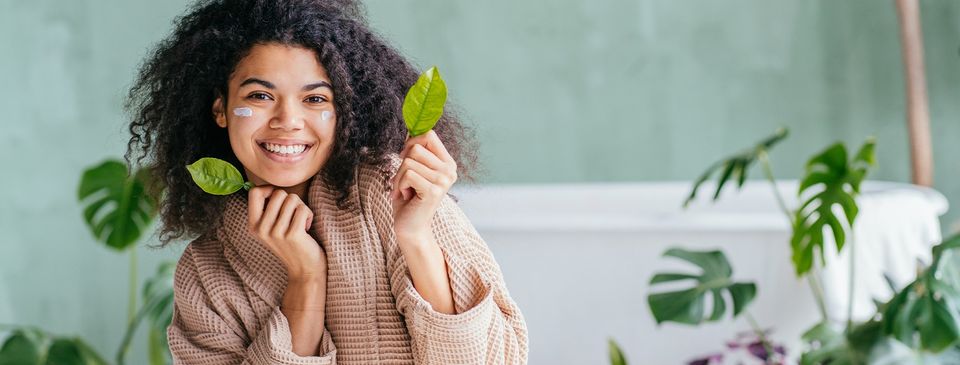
(434, 176)
(302, 217)
(270, 212)
(414, 185)
(290, 204)
(436, 146)
(424, 156)
(405, 165)
(255, 201)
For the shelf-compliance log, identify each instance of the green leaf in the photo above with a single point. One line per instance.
(827, 345)
(423, 105)
(688, 305)
(216, 176)
(830, 181)
(19, 349)
(616, 355)
(118, 208)
(928, 309)
(72, 351)
(736, 166)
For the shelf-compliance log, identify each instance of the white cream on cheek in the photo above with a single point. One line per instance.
(325, 115)
(243, 112)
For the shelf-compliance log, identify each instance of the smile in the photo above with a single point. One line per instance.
(284, 152)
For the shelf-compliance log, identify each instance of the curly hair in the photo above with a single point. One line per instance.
(170, 101)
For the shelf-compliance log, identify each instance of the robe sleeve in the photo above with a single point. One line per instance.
(488, 327)
(199, 335)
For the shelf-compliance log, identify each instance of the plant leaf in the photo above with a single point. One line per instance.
(616, 355)
(838, 183)
(216, 176)
(19, 348)
(687, 306)
(72, 351)
(928, 308)
(423, 105)
(736, 166)
(119, 209)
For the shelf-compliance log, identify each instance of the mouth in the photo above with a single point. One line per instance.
(285, 151)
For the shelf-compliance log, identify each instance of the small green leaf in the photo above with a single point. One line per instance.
(216, 176)
(423, 105)
(736, 166)
(830, 181)
(616, 355)
(688, 305)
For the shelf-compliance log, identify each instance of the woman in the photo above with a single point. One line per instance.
(348, 250)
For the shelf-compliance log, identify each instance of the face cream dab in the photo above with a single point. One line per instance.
(243, 112)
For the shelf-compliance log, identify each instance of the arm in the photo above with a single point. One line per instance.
(303, 305)
(487, 327)
(428, 270)
(200, 335)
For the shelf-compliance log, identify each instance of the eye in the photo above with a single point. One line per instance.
(316, 99)
(259, 96)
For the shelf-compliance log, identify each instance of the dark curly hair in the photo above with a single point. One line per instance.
(170, 101)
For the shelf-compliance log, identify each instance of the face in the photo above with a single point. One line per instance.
(279, 115)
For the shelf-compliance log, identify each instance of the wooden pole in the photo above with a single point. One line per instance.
(918, 113)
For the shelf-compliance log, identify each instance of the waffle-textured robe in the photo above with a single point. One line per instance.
(228, 288)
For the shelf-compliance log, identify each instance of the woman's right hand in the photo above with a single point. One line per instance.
(281, 220)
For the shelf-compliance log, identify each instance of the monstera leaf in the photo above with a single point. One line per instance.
(688, 306)
(736, 166)
(118, 208)
(928, 309)
(831, 180)
(423, 105)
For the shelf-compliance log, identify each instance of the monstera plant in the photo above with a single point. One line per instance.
(119, 209)
(919, 324)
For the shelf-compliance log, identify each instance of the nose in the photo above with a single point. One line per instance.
(287, 117)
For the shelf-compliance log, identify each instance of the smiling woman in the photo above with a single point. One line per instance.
(348, 248)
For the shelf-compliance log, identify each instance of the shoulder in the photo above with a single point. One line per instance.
(201, 263)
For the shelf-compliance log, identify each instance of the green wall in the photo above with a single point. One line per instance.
(559, 91)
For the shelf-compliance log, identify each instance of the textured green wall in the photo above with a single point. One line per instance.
(560, 91)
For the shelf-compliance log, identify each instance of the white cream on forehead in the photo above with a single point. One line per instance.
(243, 112)
(325, 115)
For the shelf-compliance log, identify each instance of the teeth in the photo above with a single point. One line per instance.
(285, 150)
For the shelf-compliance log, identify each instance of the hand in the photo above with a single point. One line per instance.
(426, 173)
(280, 221)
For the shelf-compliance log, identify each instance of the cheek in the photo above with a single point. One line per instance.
(241, 131)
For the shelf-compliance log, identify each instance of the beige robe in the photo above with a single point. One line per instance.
(228, 288)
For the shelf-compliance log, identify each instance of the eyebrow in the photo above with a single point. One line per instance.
(270, 85)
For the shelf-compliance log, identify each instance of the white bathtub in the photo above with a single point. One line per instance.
(577, 259)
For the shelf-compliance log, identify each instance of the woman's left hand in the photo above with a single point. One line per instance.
(426, 173)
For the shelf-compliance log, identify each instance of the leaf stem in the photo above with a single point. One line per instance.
(767, 346)
(768, 172)
(132, 315)
(853, 260)
(811, 278)
(132, 299)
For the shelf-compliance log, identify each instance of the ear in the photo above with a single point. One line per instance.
(218, 115)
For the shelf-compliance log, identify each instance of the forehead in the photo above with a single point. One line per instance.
(280, 64)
